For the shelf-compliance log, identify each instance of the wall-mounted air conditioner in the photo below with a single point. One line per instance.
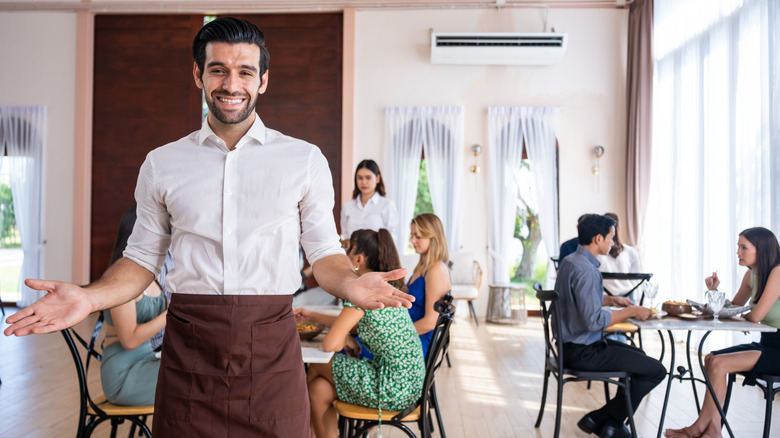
(483, 48)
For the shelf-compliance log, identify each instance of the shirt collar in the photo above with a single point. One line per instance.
(256, 132)
(371, 201)
(588, 255)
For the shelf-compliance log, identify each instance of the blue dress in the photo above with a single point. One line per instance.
(129, 377)
(417, 290)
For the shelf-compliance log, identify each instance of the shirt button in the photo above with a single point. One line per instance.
(230, 267)
(229, 230)
(229, 192)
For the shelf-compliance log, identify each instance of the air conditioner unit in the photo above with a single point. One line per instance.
(484, 48)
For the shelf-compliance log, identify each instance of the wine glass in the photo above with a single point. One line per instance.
(715, 299)
(651, 290)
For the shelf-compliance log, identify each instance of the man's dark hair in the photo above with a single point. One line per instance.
(593, 225)
(229, 30)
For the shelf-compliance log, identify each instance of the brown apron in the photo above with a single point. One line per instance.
(231, 368)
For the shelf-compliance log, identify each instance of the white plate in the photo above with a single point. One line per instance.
(660, 314)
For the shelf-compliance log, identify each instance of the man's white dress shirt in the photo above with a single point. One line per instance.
(234, 219)
(379, 212)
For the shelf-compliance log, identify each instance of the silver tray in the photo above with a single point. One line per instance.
(728, 309)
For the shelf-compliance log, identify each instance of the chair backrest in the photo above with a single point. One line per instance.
(437, 349)
(548, 301)
(83, 367)
(556, 262)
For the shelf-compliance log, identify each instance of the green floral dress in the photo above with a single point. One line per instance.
(393, 379)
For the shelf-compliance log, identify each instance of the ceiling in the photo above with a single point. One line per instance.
(188, 6)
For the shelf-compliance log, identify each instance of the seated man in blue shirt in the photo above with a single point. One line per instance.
(580, 291)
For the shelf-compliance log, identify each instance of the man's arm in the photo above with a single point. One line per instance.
(66, 304)
(630, 311)
(370, 291)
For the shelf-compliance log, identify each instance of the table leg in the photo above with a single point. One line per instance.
(669, 381)
(690, 369)
(709, 385)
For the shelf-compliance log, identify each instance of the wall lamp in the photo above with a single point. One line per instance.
(598, 152)
(476, 150)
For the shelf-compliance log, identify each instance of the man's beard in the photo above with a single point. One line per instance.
(233, 118)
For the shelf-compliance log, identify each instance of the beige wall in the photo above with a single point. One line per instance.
(38, 67)
(392, 67)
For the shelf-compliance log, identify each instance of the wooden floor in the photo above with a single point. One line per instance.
(492, 390)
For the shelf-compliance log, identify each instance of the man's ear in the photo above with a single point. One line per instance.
(264, 83)
(197, 74)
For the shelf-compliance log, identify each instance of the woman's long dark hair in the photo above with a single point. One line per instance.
(767, 255)
(617, 246)
(379, 250)
(373, 167)
(125, 230)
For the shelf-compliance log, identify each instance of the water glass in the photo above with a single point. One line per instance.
(715, 300)
(651, 290)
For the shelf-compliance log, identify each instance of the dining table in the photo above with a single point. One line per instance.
(311, 350)
(669, 324)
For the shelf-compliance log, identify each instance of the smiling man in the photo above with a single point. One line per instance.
(232, 201)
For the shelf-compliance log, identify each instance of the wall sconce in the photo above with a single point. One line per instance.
(598, 151)
(476, 150)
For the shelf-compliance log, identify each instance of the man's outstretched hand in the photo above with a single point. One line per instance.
(372, 291)
(65, 305)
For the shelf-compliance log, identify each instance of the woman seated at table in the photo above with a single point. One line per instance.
(757, 248)
(128, 371)
(430, 279)
(621, 259)
(393, 379)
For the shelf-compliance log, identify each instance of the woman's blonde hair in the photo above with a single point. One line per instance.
(429, 226)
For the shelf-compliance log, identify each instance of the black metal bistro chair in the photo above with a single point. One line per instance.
(355, 421)
(767, 384)
(548, 299)
(93, 411)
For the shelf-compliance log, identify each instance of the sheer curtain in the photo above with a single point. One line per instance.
(439, 132)
(23, 138)
(403, 140)
(443, 127)
(715, 139)
(507, 126)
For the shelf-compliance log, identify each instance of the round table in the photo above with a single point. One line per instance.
(506, 303)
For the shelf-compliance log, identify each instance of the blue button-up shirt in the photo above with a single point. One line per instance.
(579, 286)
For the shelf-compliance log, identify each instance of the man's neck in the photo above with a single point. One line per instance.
(593, 249)
(230, 133)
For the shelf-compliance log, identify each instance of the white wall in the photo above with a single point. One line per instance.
(38, 67)
(393, 68)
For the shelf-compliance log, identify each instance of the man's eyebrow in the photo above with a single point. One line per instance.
(222, 64)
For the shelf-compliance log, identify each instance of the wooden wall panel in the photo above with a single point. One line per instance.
(145, 97)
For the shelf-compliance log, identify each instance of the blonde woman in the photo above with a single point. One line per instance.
(430, 279)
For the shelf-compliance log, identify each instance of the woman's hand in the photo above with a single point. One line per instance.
(352, 347)
(302, 315)
(712, 281)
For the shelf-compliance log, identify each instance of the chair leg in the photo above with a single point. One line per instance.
(558, 407)
(544, 398)
(629, 408)
(606, 391)
(435, 403)
(447, 356)
(473, 313)
(731, 378)
(769, 394)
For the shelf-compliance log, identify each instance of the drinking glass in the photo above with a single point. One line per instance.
(715, 299)
(651, 290)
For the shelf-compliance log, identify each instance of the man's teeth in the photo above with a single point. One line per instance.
(230, 101)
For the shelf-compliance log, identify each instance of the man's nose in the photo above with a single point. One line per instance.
(231, 83)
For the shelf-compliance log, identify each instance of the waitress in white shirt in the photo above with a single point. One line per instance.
(368, 208)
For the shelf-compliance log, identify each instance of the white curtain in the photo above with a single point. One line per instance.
(439, 132)
(507, 126)
(716, 139)
(23, 138)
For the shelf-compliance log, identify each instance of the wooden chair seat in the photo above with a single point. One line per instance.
(363, 413)
(622, 327)
(117, 410)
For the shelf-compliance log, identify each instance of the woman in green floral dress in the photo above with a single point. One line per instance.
(393, 379)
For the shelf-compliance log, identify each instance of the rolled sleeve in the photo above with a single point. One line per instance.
(318, 229)
(151, 236)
